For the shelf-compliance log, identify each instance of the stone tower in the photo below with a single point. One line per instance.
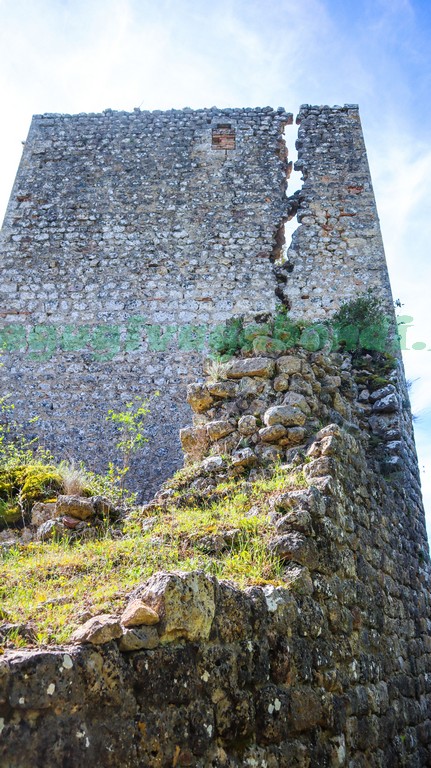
(128, 237)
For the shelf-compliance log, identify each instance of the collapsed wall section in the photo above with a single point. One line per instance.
(127, 238)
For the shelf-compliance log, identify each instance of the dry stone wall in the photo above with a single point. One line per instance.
(330, 668)
(127, 238)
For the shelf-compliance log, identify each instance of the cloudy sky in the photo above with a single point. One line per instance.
(87, 55)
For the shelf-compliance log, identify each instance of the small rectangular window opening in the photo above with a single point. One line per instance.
(223, 137)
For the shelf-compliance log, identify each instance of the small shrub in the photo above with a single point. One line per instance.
(110, 485)
(361, 324)
(225, 341)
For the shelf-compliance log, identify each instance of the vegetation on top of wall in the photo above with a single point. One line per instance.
(359, 325)
(266, 334)
(362, 325)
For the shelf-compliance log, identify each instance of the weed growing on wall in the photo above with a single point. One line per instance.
(360, 324)
(130, 424)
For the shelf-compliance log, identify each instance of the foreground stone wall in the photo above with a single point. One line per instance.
(127, 238)
(330, 668)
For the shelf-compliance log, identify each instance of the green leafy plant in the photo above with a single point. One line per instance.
(225, 341)
(111, 485)
(361, 324)
(131, 429)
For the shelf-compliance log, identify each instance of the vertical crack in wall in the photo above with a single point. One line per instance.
(285, 233)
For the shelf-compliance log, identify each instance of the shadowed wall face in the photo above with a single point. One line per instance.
(127, 238)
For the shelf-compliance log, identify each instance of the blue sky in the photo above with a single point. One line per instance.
(87, 55)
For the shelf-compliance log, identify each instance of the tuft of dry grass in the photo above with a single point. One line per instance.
(74, 478)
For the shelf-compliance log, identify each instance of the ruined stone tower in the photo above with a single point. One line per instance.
(127, 237)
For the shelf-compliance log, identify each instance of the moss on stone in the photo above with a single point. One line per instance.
(21, 486)
(10, 513)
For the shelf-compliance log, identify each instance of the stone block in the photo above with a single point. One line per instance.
(289, 364)
(287, 415)
(185, 603)
(250, 366)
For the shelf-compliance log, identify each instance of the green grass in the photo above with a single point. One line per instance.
(48, 585)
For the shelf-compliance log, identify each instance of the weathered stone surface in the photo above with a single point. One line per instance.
(250, 386)
(288, 365)
(380, 394)
(185, 603)
(249, 366)
(306, 711)
(75, 506)
(218, 429)
(199, 398)
(105, 508)
(70, 522)
(247, 425)
(281, 383)
(41, 512)
(98, 630)
(269, 453)
(213, 464)
(51, 529)
(297, 401)
(299, 519)
(222, 389)
(194, 441)
(295, 546)
(288, 415)
(387, 404)
(244, 458)
(137, 639)
(295, 435)
(137, 613)
(273, 433)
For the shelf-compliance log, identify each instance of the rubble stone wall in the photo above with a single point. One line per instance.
(127, 238)
(337, 251)
(329, 668)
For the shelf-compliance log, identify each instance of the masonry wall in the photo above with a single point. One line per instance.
(128, 237)
(337, 251)
(328, 669)
(332, 668)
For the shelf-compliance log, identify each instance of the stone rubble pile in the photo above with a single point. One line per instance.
(264, 409)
